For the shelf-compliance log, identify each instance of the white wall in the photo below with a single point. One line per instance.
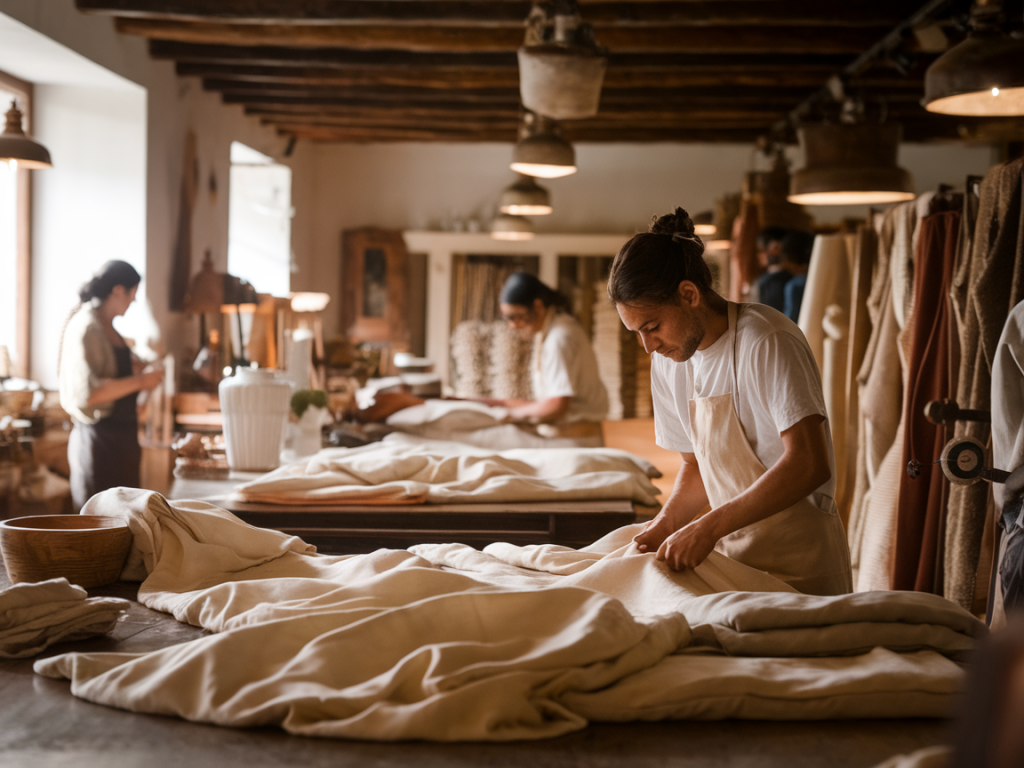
(56, 47)
(92, 208)
(617, 189)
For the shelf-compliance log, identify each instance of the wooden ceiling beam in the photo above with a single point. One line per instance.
(342, 58)
(461, 77)
(663, 37)
(736, 95)
(508, 13)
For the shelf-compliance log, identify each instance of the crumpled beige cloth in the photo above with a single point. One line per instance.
(34, 616)
(438, 472)
(448, 643)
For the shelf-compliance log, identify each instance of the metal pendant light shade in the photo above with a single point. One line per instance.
(508, 227)
(982, 76)
(525, 198)
(703, 224)
(545, 155)
(561, 82)
(850, 164)
(16, 146)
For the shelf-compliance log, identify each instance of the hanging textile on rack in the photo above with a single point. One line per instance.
(828, 282)
(881, 383)
(744, 267)
(989, 281)
(921, 502)
(865, 256)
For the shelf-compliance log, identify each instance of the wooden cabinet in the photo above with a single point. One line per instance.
(373, 287)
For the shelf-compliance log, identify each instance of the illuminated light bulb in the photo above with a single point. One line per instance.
(995, 91)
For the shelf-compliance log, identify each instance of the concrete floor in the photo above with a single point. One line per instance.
(43, 726)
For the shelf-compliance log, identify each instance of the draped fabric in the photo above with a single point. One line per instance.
(922, 500)
(864, 257)
(882, 382)
(744, 267)
(989, 281)
(828, 282)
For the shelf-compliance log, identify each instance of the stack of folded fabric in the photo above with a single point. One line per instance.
(35, 616)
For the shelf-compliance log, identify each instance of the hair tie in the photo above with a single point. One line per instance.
(679, 237)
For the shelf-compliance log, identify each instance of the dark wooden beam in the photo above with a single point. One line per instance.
(664, 37)
(463, 77)
(341, 58)
(737, 95)
(509, 13)
(596, 135)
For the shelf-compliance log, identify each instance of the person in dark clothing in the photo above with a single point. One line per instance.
(796, 256)
(771, 285)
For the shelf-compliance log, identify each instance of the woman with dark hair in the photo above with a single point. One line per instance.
(737, 392)
(567, 388)
(99, 385)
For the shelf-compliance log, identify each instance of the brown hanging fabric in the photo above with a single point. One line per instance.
(989, 281)
(922, 499)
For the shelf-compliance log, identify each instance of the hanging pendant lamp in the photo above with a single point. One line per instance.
(508, 227)
(703, 224)
(541, 151)
(17, 148)
(561, 68)
(850, 164)
(983, 76)
(525, 198)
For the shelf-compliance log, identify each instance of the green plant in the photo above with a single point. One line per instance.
(305, 398)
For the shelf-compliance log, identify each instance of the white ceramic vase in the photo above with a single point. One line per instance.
(255, 406)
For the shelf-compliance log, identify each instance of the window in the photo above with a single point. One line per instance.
(14, 200)
(259, 221)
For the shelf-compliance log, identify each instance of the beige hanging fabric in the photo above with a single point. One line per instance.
(989, 281)
(802, 546)
(865, 255)
(828, 282)
(879, 500)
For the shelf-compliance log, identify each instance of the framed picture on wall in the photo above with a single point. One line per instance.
(373, 290)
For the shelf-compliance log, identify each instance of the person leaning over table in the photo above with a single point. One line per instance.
(737, 392)
(99, 383)
(567, 388)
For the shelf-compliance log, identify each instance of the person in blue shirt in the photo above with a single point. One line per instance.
(796, 256)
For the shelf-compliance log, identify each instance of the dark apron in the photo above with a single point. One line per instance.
(107, 454)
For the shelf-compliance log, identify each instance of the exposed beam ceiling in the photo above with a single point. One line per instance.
(446, 70)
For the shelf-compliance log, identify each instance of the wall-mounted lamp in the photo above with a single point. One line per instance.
(525, 198)
(850, 164)
(983, 75)
(541, 151)
(505, 226)
(18, 149)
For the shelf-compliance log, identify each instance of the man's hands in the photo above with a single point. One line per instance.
(689, 546)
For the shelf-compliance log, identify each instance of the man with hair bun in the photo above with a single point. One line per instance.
(737, 393)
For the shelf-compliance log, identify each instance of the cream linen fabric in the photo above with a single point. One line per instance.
(34, 616)
(446, 643)
(397, 471)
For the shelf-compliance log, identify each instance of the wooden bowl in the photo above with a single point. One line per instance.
(88, 550)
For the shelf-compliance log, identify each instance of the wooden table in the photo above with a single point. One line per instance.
(354, 529)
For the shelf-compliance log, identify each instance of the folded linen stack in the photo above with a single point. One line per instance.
(35, 616)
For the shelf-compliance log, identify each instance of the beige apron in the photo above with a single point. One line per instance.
(802, 545)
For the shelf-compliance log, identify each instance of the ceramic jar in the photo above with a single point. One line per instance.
(255, 405)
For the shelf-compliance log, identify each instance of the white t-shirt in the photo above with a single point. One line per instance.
(564, 365)
(777, 378)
